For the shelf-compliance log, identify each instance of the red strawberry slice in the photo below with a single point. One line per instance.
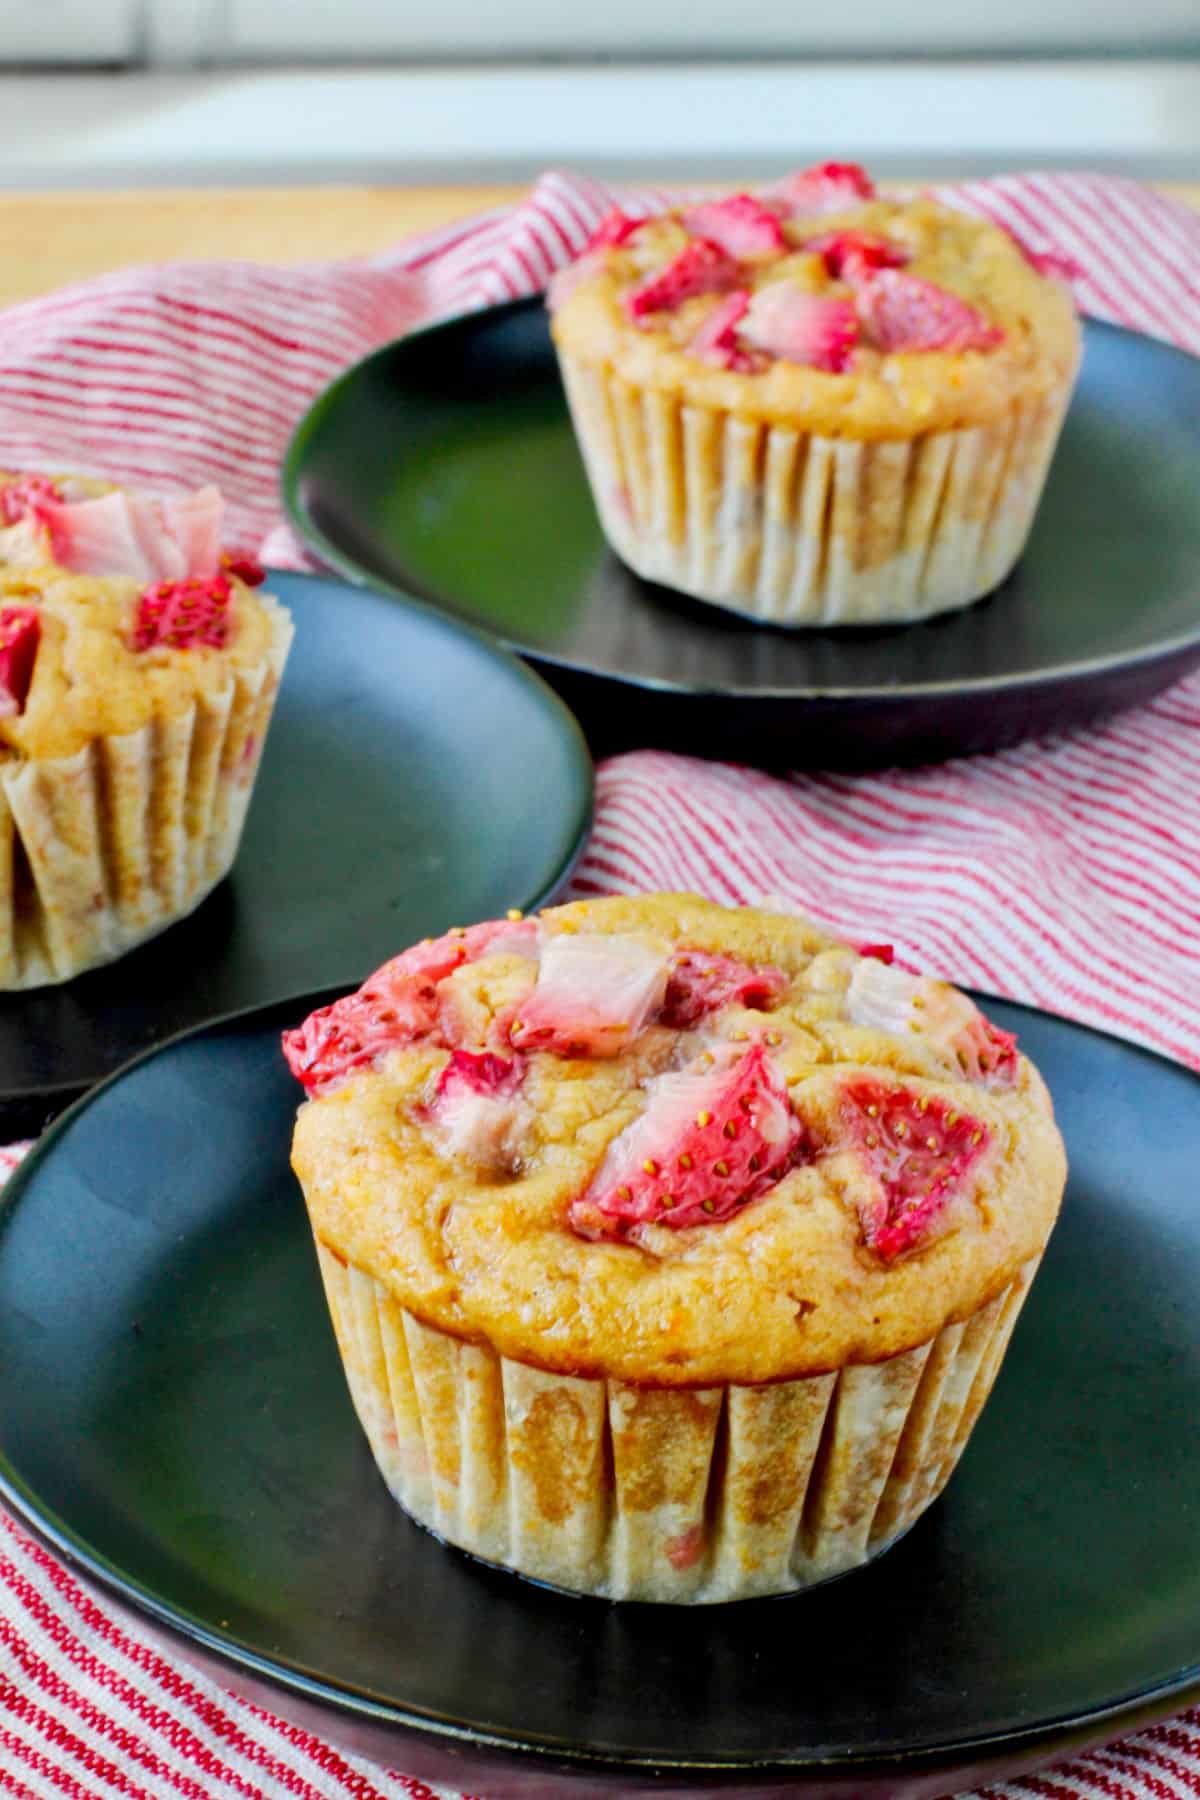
(801, 328)
(475, 1111)
(850, 254)
(180, 615)
(25, 496)
(593, 997)
(244, 568)
(700, 984)
(884, 953)
(827, 187)
(884, 998)
(921, 1152)
(614, 229)
(397, 1005)
(902, 312)
(713, 1137)
(716, 341)
(20, 635)
(700, 268)
(741, 226)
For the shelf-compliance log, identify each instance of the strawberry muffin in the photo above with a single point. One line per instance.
(138, 672)
(671, 1250)
(817, 406)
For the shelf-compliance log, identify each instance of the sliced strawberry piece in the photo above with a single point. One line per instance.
(20, 635)
(741, 226)
(716, 341)
(713, 1137)
(475, 1112)
(146, 539)
(1054, 264)
(801, 328)
(180, 615)
(827, 187)
(921, 1153)
(594, 995)
(700, 983)
(700, 268)
(397, 1005)
(27, 495)
(614, 229)
(883, 953)
(902, 312)
(246, 569)
(888, 999)
(852, 253)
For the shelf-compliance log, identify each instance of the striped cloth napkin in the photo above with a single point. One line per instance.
(1065, 873)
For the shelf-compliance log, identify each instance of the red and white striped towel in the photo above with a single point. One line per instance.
(1065, 873)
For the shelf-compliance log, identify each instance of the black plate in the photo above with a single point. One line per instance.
(393, 801)
(445, 465)
(173, 1418)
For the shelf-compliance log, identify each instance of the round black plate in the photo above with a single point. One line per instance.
(445, 465)
(173, 1417)
(393, 801)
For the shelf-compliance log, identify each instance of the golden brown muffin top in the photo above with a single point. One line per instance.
(89, 677)
(660, 1140)
(824, 306)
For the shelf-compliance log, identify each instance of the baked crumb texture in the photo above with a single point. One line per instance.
(672, 1250)
(133, 710)
(846, 418)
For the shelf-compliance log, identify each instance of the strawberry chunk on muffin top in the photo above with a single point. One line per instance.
(727, 1072)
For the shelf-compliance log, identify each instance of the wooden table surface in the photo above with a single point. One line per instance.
(50, 239)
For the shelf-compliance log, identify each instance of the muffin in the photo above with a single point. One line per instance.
(138, 672)
(819, 406)
(671, 1250)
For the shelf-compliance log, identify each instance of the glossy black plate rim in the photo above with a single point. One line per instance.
(336, 559)
(1042, 1740)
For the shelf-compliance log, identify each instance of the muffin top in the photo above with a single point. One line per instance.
(664, 1141)
(824, 305)
(115, 609)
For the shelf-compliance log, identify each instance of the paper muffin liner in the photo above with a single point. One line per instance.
(101, 850)
(797, 529)
(689, 1495)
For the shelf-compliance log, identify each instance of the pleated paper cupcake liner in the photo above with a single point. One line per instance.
(798, 529)
(692, 1495)
(105, 848)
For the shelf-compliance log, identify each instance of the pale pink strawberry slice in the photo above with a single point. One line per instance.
(20, 635)
(888, 999)
(716, 341)
(476, 1111)
(713, 1137)
(192, 523)
(614, 229)
(850, 254)
(139, 536)
(827, 187)
(594, 995)
(700, 268)
(25, 496)
(700, 983)
(397, 1005)
(921, 1152)
(901, 312)
(801, 328)
(741, 226)
(181, 615)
